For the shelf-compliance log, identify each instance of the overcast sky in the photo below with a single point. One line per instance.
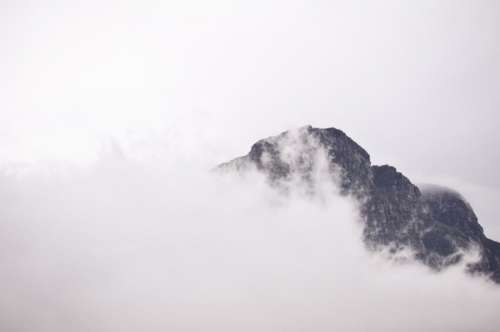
(414, 82)
(134, 98)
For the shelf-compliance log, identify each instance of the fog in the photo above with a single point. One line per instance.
(122, 245)
(113, 113)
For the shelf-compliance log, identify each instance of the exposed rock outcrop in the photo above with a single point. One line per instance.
(437, 224)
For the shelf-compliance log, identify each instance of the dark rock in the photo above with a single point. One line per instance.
(436, 223)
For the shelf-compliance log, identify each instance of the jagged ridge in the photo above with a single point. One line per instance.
(436, 223)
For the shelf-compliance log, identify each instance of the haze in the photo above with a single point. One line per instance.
(173, 88)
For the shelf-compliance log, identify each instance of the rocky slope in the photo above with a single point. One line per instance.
(437, 224)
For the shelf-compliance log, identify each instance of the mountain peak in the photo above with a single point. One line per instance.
(436, 223)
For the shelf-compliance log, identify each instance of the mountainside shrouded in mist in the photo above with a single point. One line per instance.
(141, 245)
(437, 225)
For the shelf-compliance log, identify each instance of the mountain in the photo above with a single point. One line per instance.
(437, 224)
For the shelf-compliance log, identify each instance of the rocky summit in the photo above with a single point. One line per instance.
(437, 224)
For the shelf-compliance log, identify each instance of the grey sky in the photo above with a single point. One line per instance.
(416, 83)
(146, 94)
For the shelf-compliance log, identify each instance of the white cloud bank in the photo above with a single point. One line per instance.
(124, 246)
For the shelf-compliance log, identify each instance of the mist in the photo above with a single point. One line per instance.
(113, 113)
(125, 245)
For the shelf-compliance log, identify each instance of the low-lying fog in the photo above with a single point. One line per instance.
(123, 245)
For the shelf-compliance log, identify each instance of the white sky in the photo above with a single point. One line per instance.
(125, 246)
(415, 83)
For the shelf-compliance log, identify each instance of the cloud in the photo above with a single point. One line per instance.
(142, 238)
(124, 245)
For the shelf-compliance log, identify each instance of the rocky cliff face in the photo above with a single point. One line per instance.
(436, 224)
